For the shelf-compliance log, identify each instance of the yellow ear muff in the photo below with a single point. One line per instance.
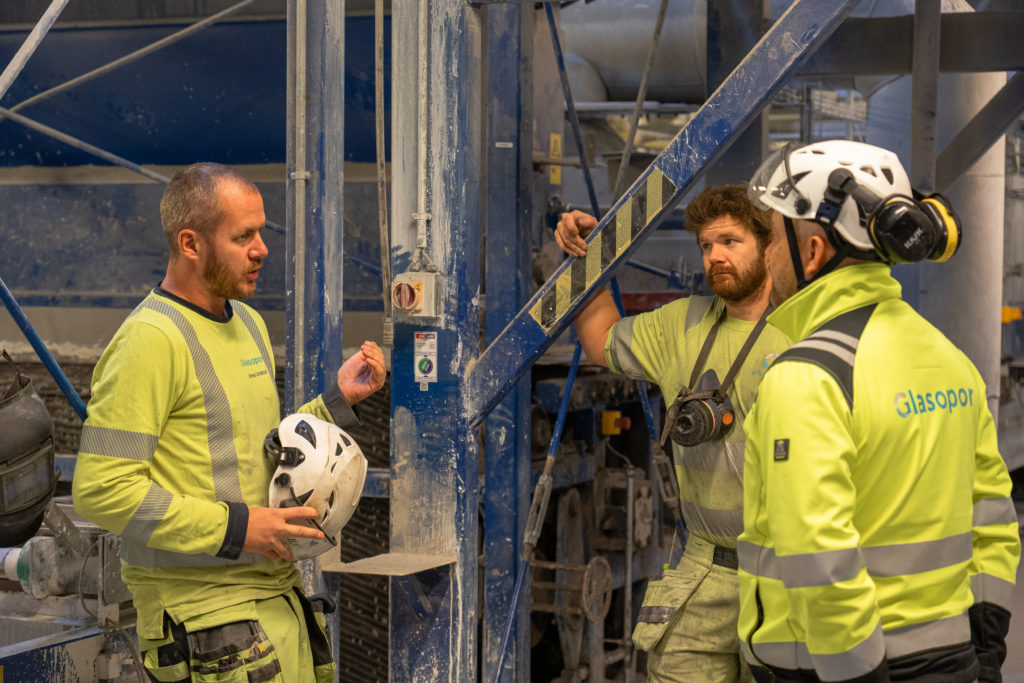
(951, 224)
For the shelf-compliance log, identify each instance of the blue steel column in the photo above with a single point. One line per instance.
(434, 467)
(509, 53)
(314, 251)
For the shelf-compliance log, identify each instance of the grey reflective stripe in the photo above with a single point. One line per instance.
(250, 324)
(833, 347)
(840, 351)
(992, 589)
(148, 515)
(117, 443)
(220, 437)
(714, 456)
(913, 558)
(894, 643)
(697, 309)
(994, 511)
(139, 555)
(930, 634)
(620, 349)
(898, 559)
(861, 659)
(820, 569)
(782, 655)
(718, 522)
(656, 615)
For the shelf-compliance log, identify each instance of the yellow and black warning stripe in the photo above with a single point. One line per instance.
(614, 238)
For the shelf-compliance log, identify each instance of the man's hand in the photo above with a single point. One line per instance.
(362, 374)
(571, 231)
(268, 527)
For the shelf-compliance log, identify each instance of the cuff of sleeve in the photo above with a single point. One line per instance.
(341, 412)
(234, 537)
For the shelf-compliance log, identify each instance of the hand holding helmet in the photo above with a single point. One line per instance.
(319, 466)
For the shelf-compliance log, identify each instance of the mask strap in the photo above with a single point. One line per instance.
(794, 252)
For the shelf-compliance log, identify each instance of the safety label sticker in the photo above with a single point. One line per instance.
(425, 358)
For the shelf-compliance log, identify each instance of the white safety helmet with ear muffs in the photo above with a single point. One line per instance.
(319, 466)
(862, 196)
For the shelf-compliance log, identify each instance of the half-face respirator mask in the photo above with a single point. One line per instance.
(705, 413)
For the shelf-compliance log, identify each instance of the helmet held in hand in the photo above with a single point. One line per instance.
(319, 466)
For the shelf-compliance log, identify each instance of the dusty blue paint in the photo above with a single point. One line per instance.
(508, 268)
(435, 469)
(725, 114)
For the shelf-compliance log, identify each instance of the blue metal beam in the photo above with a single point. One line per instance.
(508, 50)
(804, 26)
(434, 452)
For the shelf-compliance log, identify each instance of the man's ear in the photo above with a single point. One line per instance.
(188, 243)
(817, 251)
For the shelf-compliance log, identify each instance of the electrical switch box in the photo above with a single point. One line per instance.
(416, 293)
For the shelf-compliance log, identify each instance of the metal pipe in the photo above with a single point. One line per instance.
(44, 353)
(422, 214)
(641, 93)
(131, 57)
(27, 48)
(300, 175)
(627, 595)
(382, 185)
(574, 119)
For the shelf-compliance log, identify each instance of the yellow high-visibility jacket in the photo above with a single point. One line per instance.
(878, 524)
(171, 456)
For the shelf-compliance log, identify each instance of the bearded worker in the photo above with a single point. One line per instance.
(171, 456)
(697, 344)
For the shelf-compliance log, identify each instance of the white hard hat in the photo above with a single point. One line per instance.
(793, 181)
(318, 466)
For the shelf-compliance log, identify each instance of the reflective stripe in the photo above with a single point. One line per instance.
(992, 589)
(716, 456)
(913, 558)
(842, 338)
(820, 569)
(862, 659)
(930, 634)
(896, 643)
(117, 443)
(994, 511)
(148, 515)
(223, 458)
(656, 615)
(885, 560)
(840, 351)
(696, 309)
(139, 555)
(254, 330)
(620, 350)
(717, 522)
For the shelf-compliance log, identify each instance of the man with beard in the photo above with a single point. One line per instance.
(172, 458)
(688, 619)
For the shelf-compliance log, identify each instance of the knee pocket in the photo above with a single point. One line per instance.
(666, 594)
